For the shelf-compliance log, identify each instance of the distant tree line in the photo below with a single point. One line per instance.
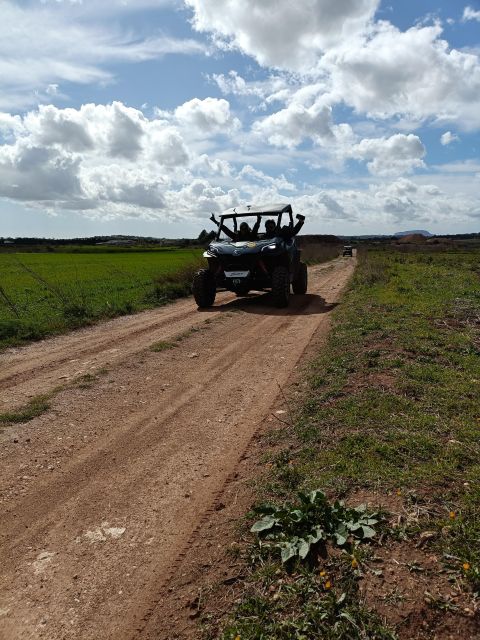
(204, 238)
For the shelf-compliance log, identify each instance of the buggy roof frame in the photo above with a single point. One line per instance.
(257, 210)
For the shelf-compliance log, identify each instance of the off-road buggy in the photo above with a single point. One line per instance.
(347, 250)
(261, 263)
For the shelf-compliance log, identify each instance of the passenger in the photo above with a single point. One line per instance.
(244, 233)
(286, 232)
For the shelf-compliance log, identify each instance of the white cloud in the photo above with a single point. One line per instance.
(373, 67)
(279, 87)
(386, 204)
(385, 156)
(322, 205)
(411, 73)
(281, 33)
(259, 177)
(211, 115)
(470, 14)
(112, 161)
(390, 156)
(29, 173)
(89, 157)
(167, 146)
(290, 126)
(447, 138)
(43, 47)
(200, 198)
(466, 167)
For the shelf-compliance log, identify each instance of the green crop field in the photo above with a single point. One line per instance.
(45, 293)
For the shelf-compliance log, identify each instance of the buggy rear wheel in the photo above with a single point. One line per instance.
(204, 288)
(280, 286)
(300, 282)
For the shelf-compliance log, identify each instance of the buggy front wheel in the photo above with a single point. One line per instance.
(300, 282)
(280, 286)
(204, 288)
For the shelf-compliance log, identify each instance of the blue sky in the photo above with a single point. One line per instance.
(143, 117)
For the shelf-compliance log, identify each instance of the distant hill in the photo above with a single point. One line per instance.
(413, 232)
(411, 238)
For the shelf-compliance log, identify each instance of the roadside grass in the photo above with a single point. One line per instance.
(85, 381)
(392, 413)
(162, 345)
(41, 403)
(37, 405)
(48, 293)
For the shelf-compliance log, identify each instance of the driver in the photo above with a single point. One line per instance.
(245, 233)
(270, 228)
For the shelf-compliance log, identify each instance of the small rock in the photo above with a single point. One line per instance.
(193, 355)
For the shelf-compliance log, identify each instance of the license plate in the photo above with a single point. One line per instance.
(237, 274)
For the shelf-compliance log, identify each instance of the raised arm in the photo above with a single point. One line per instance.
(227, 232)
(222, 227)
(299, 224)
(256, 226)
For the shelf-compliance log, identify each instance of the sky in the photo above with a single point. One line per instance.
(143, 117)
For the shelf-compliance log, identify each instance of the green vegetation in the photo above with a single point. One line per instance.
(392, 409)
(304, 607)
(34, 408)
(45, 293)
(298, 529)
(162, 345)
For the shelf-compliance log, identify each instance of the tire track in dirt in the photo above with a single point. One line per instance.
(144, 426)
(100, 497)
(38, 368)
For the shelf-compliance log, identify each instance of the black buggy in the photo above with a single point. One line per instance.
(242, 259)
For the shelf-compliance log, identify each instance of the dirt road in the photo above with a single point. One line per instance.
(99, 496)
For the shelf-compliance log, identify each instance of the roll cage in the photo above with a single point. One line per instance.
(252, 212)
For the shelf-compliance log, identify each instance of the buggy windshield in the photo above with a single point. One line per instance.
(251, 226)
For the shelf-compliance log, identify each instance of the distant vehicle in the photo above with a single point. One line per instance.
(347, 250)
(269, 260)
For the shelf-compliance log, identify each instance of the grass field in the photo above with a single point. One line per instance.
(45, 293)
(391, 416)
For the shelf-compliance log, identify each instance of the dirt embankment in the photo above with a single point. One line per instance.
(100, 496)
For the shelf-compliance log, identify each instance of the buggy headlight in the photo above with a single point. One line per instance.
(269, 247)
(211, 252)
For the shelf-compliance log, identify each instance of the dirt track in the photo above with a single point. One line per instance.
(100, 496)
